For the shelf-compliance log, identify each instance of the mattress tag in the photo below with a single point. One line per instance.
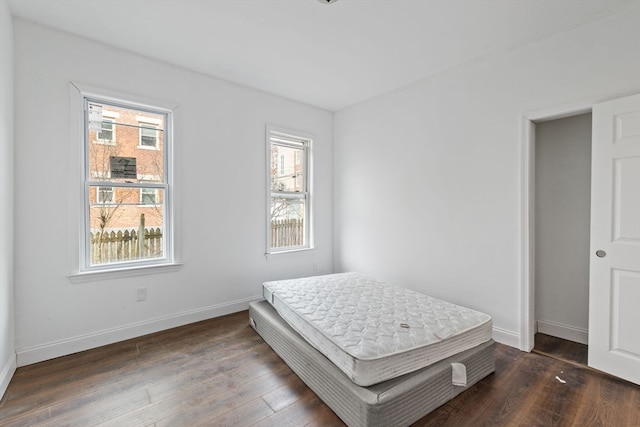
(458, 374)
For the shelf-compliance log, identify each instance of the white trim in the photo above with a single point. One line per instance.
(527, 179)
(503, 336)
(77, 197)
(35, 354)
(115, 96)
(7, 372)
(566, 332)
(306, 140)
(527, 295)
(150, 120)
(111, 114)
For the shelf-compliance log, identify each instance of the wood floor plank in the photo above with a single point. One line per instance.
(220, 372)
(561, 349)
(120, 376)
(284, 396)
(246, 414)
(303, 412)
(205, 407)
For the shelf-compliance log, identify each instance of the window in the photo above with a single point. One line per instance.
(148, 131)
(105, 195)
(288, 177)
(126, 201)
(148, 136)
(106, 132)
(148, 196)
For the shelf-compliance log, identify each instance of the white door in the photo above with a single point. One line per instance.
(614, 282)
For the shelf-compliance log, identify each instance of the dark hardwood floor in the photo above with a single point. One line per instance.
(561, 349)
(220, 373)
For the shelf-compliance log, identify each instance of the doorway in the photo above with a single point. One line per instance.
(562, 198)
(614, 285)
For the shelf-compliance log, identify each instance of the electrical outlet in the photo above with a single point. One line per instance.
(141, 294)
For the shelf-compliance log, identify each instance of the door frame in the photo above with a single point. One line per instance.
(527, 205)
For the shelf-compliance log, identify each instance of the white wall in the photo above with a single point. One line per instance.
(427, 178)
(562, 229)
(220, 137)
(7, 351)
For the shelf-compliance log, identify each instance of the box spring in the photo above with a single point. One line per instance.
(396, 402)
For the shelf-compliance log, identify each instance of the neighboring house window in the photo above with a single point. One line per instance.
(288, 176)
(149, 135)
(127, 192)
(148, 196)
(105, 195)
(106, 133)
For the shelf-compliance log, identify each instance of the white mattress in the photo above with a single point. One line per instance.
(374, 331)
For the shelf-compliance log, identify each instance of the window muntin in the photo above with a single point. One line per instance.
(288, 219)
(126, 189)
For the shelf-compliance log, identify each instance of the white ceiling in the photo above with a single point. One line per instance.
(329, 56)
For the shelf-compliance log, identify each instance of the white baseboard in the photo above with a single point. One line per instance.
(505, 337)
(35, 354)
(6, 374)
(566, 332)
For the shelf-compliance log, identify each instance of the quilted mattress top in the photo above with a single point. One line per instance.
(370, 319)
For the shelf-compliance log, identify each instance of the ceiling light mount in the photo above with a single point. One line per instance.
(327, 1)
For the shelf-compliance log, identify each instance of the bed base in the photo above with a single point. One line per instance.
(398, 402)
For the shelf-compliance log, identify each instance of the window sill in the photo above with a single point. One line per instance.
(92, 276)
(289, 251)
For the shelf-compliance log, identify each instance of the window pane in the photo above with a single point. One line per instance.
(105, 195)
(287, 174)
(148, 136)
(148, 196)
(115, 227)
(287, 222)
(114, 151)
(106, 133)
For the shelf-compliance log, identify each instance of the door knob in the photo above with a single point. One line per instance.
(600, 253)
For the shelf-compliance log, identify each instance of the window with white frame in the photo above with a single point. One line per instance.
(149, 135)
(106, 134)
(148, 196)
(289, 177)
(127, 193)
(106, 131)
(105, 195)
